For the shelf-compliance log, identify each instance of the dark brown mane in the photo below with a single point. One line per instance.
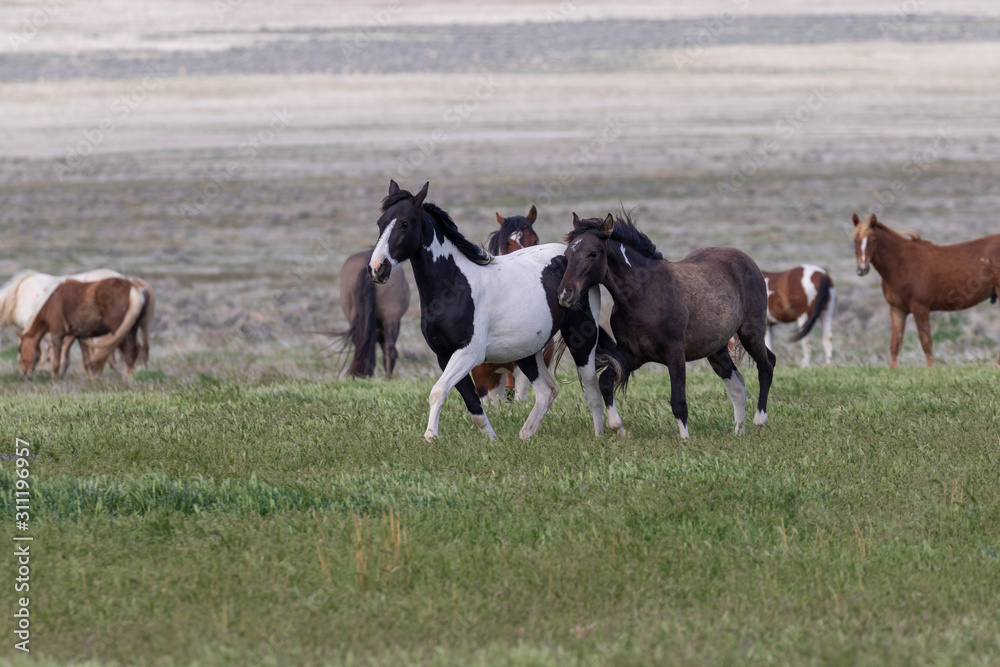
(443, 222)
(624, 231)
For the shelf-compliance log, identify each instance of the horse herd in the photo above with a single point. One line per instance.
(520, 305)
(485, 312)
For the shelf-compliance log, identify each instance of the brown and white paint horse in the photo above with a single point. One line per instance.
(919, 277)
(801, 295)
(87, 310)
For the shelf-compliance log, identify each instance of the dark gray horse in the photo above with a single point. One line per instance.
(673, 312)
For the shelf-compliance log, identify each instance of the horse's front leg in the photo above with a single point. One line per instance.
(678, 385)
(55, 352)
(456, 370)
(922, 317)
(806, 349)
(896, 341)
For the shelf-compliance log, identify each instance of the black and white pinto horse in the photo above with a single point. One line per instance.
(475, 307)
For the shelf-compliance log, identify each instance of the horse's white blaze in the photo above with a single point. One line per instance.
(736, 388)
(624, 255)
(864, 251)
(683, 428)
(516, 237)
(760, 418)
(381, 252)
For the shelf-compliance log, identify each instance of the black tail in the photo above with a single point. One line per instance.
(822, 298)
(609, 355)
(363, 333)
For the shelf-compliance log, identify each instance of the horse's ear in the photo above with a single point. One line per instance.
(872, 219)
(609, 225)
(499, 219)
(857, 220)
(532, 214)
(393, 187)
(576, 220)
(419, 199)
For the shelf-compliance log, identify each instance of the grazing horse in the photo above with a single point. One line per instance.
(374, 314)
(673, 312)
(475, 307)
(86, 310)
(25, 293)
(515, 232)
(919, 276)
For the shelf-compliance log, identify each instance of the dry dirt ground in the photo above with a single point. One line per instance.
(235, 153)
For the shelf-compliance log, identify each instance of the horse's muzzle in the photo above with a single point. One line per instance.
(863, 270)
(380, 276)
(568, 297)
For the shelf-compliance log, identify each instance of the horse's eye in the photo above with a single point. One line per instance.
(593, 253)
(405, 224)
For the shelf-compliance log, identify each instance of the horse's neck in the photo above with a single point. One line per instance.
(886, 259)
(627, 281)
(436, 278)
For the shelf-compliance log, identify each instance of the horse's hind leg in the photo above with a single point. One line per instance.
(754, 344)
(828, 328)
(922, 316)
(580, 330)
(806, 348)
(724, 367)
(456, 371)
(389, 353)
(545, 391)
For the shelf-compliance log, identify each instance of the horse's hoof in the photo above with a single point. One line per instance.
(620, 431)
(760, 419)
(430, 436)
(740, 429)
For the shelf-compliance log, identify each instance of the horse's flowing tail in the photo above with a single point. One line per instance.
(138, 300)
(822, 299)
(363, 333)
(610, 356)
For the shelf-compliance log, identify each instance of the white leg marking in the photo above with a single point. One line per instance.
(545, 392)
(458, 367)
(767, 337)
(828, 328)
(760, 419)
(484, 425)
(615, 422)
(683, 428)
(736, 388)
(381, 252)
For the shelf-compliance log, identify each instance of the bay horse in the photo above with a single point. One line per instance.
(86, 310)
(475, 307)
(673, 312)
(919, 277)
(26, 292)
(515, 232)
(374, 315)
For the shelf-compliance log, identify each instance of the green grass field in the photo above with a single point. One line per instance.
(203, 522)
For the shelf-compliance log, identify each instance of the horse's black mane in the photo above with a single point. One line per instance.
(475, 253)
(624, 231)
(498, 239)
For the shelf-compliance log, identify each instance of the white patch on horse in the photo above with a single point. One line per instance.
(624, 255)
(439, 249)
(381, 252)
(516, 237)
(683, 428)
(770, 319)
(808, 270)
(864, 250)
(760, 419)
(575, 243)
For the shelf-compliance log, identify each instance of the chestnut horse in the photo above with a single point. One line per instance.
(801, 295)
(673, 312)
(919, 276)
(374, 314)
(86, 310)
(515, 232)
